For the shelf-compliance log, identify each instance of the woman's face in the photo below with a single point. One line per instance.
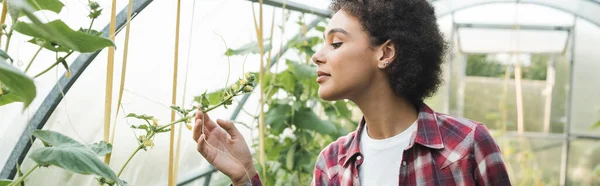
(346, 64)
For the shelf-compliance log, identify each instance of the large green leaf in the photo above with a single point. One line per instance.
(4, 182)
(251, 47)
(277, 117)
(48, 45)
(286, 80)
(71, 155)
(101, 148)
(54, 138)
(20, 85)
(52, 5)
(302, 71)
(305, 118)
(16, 7)
(60, 33)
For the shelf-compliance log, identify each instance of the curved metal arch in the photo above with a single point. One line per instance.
(571, 10)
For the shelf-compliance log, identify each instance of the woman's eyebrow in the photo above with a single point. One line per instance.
(336, 30)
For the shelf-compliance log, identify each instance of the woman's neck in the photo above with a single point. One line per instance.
(386, 113)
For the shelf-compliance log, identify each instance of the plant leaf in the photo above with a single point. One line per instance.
(143, 116)
(19, 84)
(60, 33)
(101, 148)
(71, 155)
(54, 138)
(143, 126)
(251, 47)
(48, 45)
(52, 5)
(4, 56)
(8, 97)
(16, 7)
(92, 31)
(305, 118)
(596, 170)
(302, 71)
(596, 125)
(287, 80)
(320, 28)
(342, 108)
(177, 108)
(4, 182)
(277, 116)
(289, 160)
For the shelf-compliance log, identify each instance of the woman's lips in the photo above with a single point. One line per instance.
(322, 76)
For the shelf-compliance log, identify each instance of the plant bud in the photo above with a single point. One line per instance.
(154, 121)
(250, 77)
(149, 143)
(248, 89)
(243, 82)
(94, 5)
(234, 87)
(188, 126)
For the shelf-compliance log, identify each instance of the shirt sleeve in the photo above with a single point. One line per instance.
(320, 177)
(489, 168)
(255, 181)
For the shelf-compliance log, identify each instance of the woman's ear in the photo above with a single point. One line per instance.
(387, 54)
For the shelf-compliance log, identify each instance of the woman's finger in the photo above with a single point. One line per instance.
(230, 128)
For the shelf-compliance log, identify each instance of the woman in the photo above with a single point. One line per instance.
(385, 56)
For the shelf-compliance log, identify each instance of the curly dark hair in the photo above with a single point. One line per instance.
(412, 27)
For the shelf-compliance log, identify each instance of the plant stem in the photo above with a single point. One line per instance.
(90, 27)
(33, 58)
(8, 36)
(22, 178)
(129, 159)
(52, 66)
(3, 16)
(205, 111)
(174, 122)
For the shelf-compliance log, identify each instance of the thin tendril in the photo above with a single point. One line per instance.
(228, 62)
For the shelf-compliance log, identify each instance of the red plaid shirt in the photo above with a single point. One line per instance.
(444, 150)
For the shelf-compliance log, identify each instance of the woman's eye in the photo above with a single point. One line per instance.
(336, 45)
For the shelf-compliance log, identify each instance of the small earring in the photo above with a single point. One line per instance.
(385, 64)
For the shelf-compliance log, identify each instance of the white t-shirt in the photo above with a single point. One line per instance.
(382, 158)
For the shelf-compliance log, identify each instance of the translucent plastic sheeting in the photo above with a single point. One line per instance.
(584, 162)
(589, 10)
(480, 40)
(585, 101)
(526, 160)
(148, 85)
(511, 13)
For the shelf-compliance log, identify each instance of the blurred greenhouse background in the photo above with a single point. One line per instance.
(527, 69)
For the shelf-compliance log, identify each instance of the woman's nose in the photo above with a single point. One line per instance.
(317, 57)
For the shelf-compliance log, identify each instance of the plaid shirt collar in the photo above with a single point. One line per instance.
(428, 134)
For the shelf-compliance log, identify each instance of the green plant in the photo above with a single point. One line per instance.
(295, 132)
(68, 154)
(480, 65)
(54, 36)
